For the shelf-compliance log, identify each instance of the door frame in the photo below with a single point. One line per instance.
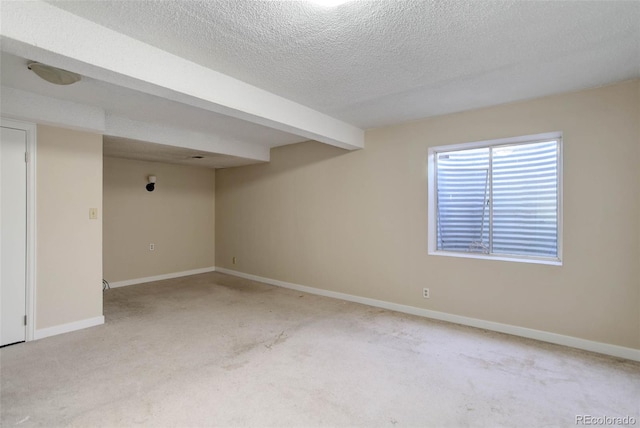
(30, 286)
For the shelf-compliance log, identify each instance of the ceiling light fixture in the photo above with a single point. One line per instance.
(54, 75)
(329, 3)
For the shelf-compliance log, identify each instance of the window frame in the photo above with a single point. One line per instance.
(502, 142)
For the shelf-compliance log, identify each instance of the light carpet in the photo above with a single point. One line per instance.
(216, 350)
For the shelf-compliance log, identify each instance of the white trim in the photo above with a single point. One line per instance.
(523, 139)
(522, 259)
(30, 286)
(69, 327)
(544, 336)
(160, 277)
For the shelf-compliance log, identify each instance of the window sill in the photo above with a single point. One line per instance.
(504, 258)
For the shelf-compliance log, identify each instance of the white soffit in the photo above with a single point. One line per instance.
(139, 106)
(122, 127)
(375, 63)
(51, 35)
(220, 152)
(141, 150)
(112, 110)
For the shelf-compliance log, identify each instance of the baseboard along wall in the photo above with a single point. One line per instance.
(69, 327)
(544, 336)
(160, 277)
(92, 322)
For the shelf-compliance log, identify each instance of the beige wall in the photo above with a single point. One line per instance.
(356, 222)
(69, 244)
(178, 217)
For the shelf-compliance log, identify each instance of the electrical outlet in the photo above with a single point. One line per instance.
(233, 260)
(152, 247)
(425, 293)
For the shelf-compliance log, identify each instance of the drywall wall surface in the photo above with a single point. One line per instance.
(68, 242)
(357, 222)
(177, 218)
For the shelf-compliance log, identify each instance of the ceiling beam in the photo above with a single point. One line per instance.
(42, 32)
(156, 133)
(25, 105)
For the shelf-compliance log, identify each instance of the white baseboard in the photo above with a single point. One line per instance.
(160, 277)
(559, 339)
(66, 328)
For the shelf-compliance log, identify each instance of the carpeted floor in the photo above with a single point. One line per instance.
(215, 350)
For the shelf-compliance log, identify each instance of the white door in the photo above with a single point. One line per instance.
(13, 230)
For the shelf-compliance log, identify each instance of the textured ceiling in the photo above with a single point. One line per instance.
(374, 63)
(367, 63)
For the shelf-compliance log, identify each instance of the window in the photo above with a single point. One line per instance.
(497, 199)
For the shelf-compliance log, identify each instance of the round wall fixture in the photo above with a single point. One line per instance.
(54, 75)
(152, 183)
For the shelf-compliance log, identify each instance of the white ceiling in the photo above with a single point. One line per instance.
(366, 63)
